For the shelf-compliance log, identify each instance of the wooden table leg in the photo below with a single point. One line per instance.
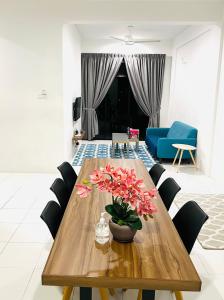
(139, 295)
(192, 157)
(178, 295)
(181, 153)
(148, 295)
(67, 292)
(103, 294)
(178, 150)
(85, 293)
(111, 291)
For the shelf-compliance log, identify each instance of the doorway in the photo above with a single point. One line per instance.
(119, 110)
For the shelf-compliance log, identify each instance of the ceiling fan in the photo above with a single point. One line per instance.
(130, 40)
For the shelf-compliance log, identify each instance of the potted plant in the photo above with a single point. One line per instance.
(130, 200)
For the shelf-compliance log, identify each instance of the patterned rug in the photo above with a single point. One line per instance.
(212, 232)
(92, 150)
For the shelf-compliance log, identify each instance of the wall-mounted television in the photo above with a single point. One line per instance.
(76, 108)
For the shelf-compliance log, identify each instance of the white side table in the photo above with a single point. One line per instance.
(180, 149)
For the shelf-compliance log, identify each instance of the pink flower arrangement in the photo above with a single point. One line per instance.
(129, 199)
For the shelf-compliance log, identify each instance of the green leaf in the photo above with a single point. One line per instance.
(132, 218)
(115, 220)
(136, 225)
(110, 209)
(120, 210)
(121, 222)
(131, 212)
(122, 216)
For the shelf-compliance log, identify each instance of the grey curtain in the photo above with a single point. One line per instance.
(98, 72)
(146, 73)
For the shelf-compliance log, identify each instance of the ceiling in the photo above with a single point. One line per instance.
(139, 31)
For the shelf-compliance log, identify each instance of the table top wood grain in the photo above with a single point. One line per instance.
(155, 260)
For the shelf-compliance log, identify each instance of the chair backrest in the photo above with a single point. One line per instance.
(52, 216)
(60, 190)
(180, 130)
(188, 222)
(155, 172)
(68, 174)
(168, 190)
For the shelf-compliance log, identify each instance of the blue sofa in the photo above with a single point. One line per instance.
(160, 140)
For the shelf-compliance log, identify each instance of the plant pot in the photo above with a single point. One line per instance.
(122, 233)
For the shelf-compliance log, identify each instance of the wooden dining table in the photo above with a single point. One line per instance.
(155, 260)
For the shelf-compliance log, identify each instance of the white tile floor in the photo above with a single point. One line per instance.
(25, 241)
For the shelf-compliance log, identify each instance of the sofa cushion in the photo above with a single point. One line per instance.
(181, 130)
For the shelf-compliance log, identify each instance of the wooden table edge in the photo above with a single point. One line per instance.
(106, 282)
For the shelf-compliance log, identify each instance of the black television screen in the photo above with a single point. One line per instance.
(76, 107)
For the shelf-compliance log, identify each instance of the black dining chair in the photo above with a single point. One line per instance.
(60, 190)
(188, 222)
(52, 216)
(168, 190)
(68, 174)
(155, 172)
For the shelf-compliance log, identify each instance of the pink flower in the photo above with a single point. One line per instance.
(108, 169)
(83, 190)
(124, 187)
(96, 177)
(146, 206)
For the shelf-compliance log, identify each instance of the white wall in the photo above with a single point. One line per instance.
(31, 127)
(71, 82)
(217, 161)
(194, 85)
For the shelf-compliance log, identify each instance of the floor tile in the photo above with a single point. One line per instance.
(13, 282)
(7, 191)
(33, 216)
(209, 291)
(199, 266)
(131, 294)
(42, 199)
(3, 177)
(36, 291)
(163, 295)
(213, 261)
(31, 233)
(12, 215)
(23, 199)
(219, 284)
(44, 255)
(20, 254)
(96, 295)
(7, 230)
(2, 246)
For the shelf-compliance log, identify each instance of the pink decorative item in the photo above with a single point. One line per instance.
(134, 133)
(130, 199)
